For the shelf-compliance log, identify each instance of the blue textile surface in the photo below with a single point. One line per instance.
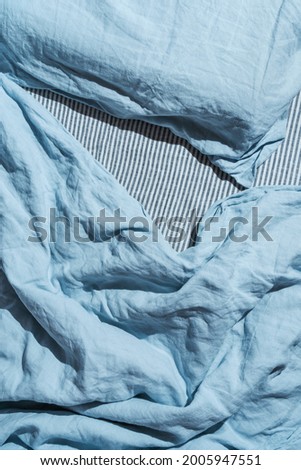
(116, 343)
(220, 74)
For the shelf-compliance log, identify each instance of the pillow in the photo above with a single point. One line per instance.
(220, 74)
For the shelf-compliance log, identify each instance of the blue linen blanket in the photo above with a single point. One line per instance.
(111, 340)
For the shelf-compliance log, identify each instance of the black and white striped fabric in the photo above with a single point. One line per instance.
(174, 182)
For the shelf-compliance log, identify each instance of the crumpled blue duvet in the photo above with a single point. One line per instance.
(119, 343)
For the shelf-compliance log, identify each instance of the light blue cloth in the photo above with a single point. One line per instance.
(221, 74)
(117, 344)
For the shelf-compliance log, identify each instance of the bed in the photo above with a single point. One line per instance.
(150, 296)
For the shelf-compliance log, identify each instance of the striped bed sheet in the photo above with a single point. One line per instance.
(174, 182)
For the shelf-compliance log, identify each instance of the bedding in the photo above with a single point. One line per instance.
(171, 179)
(112, 340)
(229, 96)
